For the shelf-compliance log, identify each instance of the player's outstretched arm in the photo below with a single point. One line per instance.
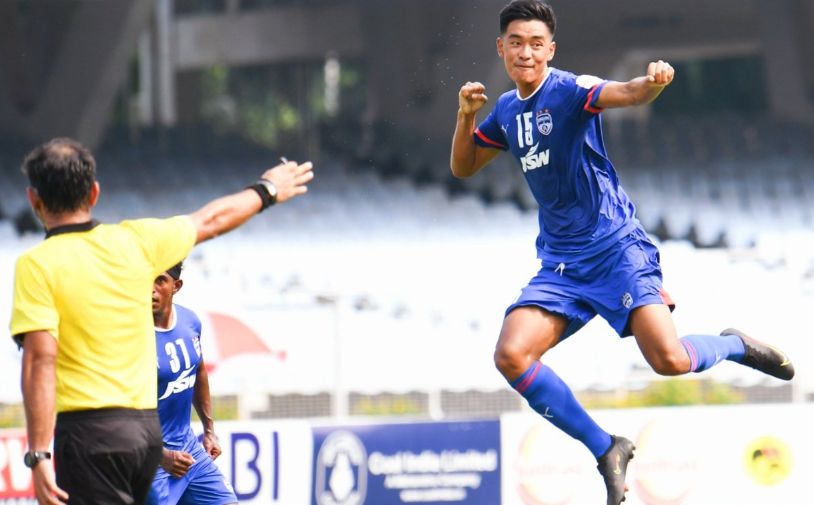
(229, 212)
(467, 157)
(638, 91)
(203, 406)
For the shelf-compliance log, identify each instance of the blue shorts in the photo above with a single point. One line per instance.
(610, 284)
(203, 483)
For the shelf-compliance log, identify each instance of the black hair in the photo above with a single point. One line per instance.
(175, 272)
(527, 10)
(62, 172)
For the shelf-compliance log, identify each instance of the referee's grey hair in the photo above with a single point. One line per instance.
(62, 171)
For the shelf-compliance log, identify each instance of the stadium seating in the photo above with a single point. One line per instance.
(411, 273)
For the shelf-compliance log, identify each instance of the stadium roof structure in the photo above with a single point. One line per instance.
(436, 45)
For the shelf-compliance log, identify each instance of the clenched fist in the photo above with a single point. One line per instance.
(660, 73)
(471, 98)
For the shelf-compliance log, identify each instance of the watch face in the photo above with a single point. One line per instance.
(272, 189)
(32, 458)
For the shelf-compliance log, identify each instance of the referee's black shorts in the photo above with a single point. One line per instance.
(107, 456)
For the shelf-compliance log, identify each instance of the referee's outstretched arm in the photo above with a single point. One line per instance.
(219, 216)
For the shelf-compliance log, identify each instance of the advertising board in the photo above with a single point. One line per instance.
(430, 463)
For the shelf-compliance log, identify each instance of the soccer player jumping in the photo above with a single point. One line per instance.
(595, 256)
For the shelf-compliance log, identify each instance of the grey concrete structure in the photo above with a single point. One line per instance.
(63, 63)
(61, 79)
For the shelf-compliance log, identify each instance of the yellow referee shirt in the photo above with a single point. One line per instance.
(90, 286)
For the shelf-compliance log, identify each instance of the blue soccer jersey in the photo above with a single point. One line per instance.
(556, 136)
(179, 354)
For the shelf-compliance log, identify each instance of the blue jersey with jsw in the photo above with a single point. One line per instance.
(556, 136)
(179, 354)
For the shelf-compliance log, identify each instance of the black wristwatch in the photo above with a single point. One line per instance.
(272, 190)
(31, 458)
(267, 192)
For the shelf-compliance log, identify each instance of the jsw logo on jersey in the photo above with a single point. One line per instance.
(533, 159)
(182, 383)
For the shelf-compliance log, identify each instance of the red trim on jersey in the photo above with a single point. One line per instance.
(588, 107)
(665, 298)
(488, 141)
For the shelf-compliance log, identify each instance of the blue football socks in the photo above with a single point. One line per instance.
(550, 397)
(706, 351)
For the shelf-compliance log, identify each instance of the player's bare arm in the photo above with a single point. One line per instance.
(203, 406)
(639, 91)
(227, 213)
(39, 393)
(467, 157)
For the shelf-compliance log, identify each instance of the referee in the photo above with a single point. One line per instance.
(82, 314)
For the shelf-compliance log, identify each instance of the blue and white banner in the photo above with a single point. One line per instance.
(430, 463)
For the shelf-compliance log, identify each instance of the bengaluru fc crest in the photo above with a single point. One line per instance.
(544, 122)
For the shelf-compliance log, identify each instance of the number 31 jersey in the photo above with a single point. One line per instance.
(179, 354)
(556, 136)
